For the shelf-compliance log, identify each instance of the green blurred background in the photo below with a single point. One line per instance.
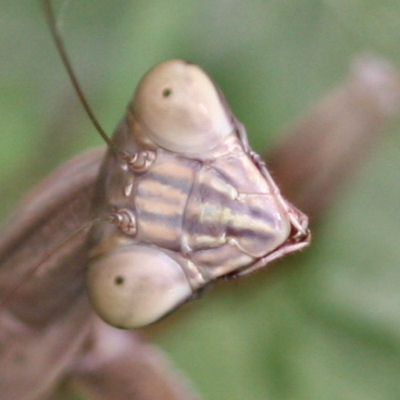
(324, 324)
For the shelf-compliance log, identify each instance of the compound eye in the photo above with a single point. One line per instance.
(136, 286)
(179, 108)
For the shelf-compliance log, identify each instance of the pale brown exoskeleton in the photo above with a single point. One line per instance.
(180, 201)
(190, 201)
(216, 218)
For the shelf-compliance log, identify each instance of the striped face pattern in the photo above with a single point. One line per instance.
(192, 203)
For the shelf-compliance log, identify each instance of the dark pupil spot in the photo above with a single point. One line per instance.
(119, 280)
(167, 92)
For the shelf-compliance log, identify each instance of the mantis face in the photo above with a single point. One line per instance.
(193, 203)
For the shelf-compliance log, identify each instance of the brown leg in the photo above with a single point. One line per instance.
(119, 365)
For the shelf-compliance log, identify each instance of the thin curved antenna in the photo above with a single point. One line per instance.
(65, 59)
(8, 296)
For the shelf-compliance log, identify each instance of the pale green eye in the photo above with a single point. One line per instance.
(178, 108)
(136, 286)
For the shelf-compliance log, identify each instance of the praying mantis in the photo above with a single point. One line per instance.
(55, 289)
(142, 262)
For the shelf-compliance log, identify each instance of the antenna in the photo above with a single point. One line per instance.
(7, 297)
(65, 59)
(12, 292)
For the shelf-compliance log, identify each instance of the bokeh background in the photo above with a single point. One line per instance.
(324, 324)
